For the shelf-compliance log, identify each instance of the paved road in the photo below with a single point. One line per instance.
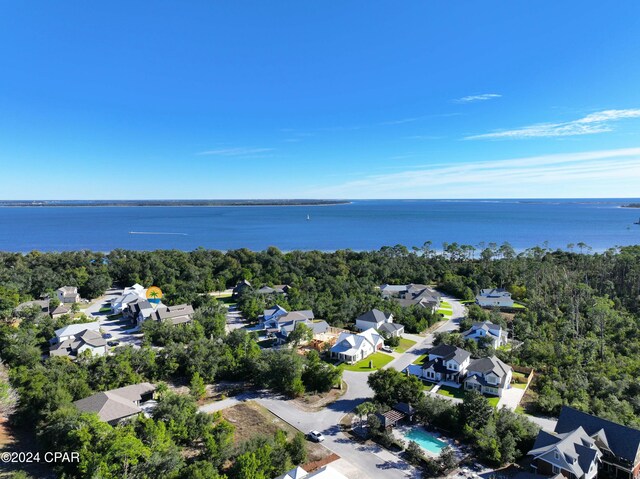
(357, 461)
(118, 329)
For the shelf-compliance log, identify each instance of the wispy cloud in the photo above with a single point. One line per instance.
(598, 122)
(237, 151)
(559, 175)
(475, 98)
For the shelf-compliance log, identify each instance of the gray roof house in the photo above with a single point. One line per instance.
(43, 304)
(494, 297)
(117, 404)
(72, 346)
(179, 314)
(445, 363)
(375, 319)
(412, 295)
(620, 445)
(275, 289)
(60, 310)
(573, 454)
(488, 376)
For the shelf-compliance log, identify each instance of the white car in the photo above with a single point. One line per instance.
(386, 349)
(315, 436)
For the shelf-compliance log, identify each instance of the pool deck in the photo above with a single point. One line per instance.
(401, 431)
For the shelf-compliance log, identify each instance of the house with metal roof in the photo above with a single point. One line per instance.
(494, 297)
(352, 348)
(486, 333)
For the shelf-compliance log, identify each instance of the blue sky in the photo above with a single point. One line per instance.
(350, 99)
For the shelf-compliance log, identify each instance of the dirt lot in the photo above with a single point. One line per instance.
(250, 420)
(315, 402)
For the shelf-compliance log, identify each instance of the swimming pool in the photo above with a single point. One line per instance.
(425, 439)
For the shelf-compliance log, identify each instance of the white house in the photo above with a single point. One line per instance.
(71, 330)
(488, 376)
(493, 332)
(128, 295)
(494, 297)
(75, 339)
(373, 319)
(68, 294)
(351, 348)
(446, 363)
(325, 472)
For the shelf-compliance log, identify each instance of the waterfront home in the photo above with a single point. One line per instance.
(376, 319)
(486, 333)
(489, 376)
(617, 447)
(412, 295)
(446, 363)
(352, 348)
(494, 297)
(129, 295)
(118, 404)
(68, 294)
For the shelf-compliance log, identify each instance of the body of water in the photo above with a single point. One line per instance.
(425, 440)
(360, 225)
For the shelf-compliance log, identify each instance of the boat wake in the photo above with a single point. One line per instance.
(156, 233)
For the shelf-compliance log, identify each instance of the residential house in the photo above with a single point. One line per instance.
(391, 329)
(487, 333)
(71, 330)
(118, 404)
(128, 295)
(573, 454)
(373, 319)
(42, 304)
(139, 310)
(179, 314)
(325, 472)
(446, 363)
(412, 295)
(318, 327)
(352, 348)
(74, 341)
(59, 311)
(488, 376)
(68, 294)
(619, 445)
(240, 288)
(494, 297)
(275, 289)
(272, 317)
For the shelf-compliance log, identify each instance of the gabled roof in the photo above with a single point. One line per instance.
(390, 328)
(68, 290)
(494, 293)
(489, 327)
(576, 450)
(181, 313)
(43, 304)
(448, 352)
(623, 441)
(349, 343)
(374, 316)
(74, 329)
(297, 473)
(489, 365)
(115, 404)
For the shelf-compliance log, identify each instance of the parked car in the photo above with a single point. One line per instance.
(113, 343)
(315, 436)
(386, 349)
(107, 335)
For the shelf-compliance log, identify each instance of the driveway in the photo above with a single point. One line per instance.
(234, 318)
(119, 329)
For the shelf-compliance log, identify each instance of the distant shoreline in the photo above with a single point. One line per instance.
(173, 203)
(631, 205)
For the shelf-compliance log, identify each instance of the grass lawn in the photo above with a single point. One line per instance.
(105, 309)
(519, 386)
(421, 359)
(445, 309)
(451, 392)
(427, 386)
(493, 402)
(520, 410)
(404, 345)
(518, 306)
(379, 360)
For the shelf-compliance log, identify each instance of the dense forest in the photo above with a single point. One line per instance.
(579, 332)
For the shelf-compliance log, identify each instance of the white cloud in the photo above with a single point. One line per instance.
(607, 173)
(238, 151)
(593, 123)
(475, 98)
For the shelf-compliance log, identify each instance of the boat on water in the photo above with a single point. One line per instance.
(637, 222)
(308, 217)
